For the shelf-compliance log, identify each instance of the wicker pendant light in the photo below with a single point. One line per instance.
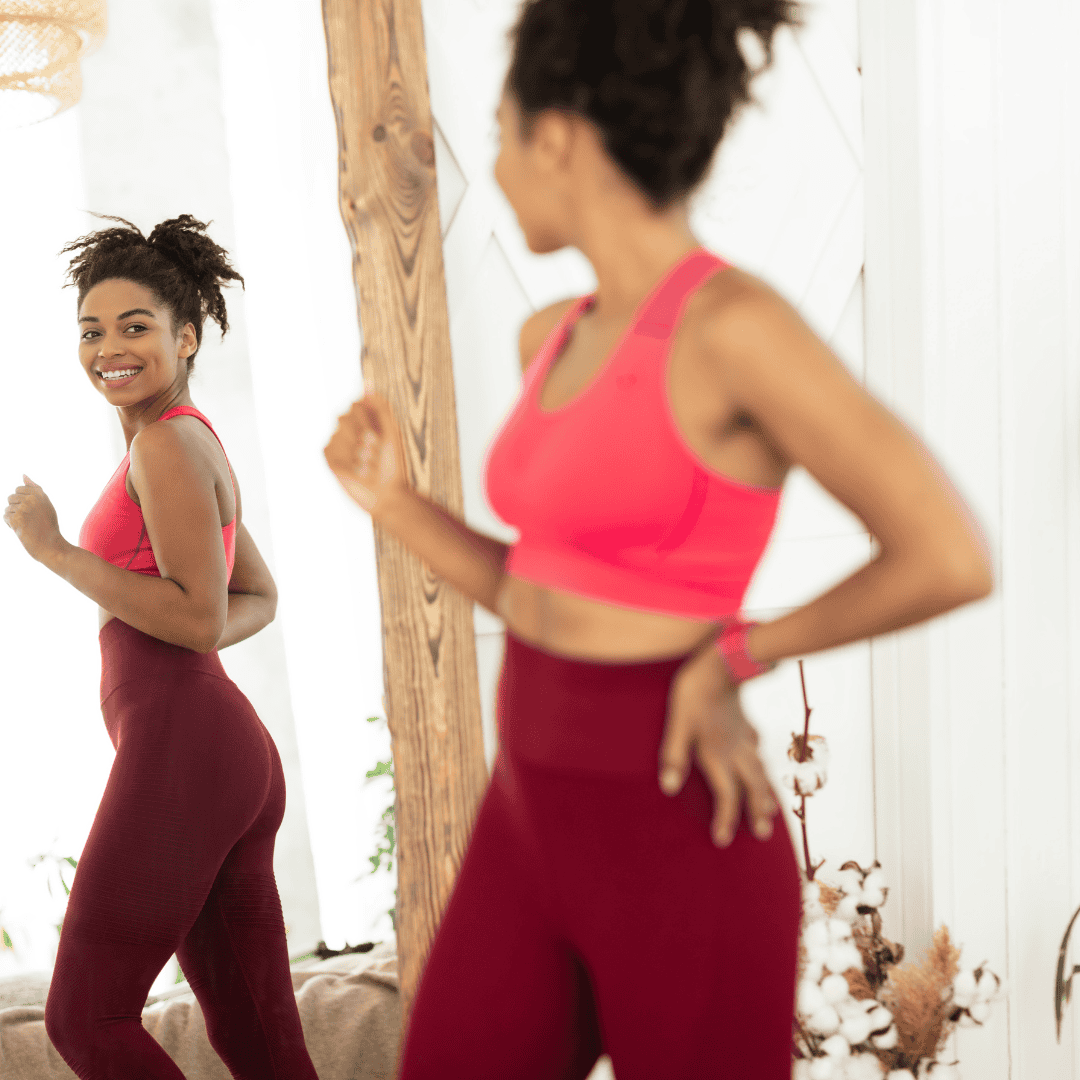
(41, 44)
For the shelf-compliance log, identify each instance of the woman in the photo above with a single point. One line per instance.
(180, 855)
(642, 465)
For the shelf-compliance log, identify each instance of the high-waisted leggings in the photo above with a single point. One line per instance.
(592, 913)
(179, 860)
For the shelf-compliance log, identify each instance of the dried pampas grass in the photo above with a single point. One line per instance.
(919, 996)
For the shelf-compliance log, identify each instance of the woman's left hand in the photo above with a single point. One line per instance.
(32, 517)
(706, 719)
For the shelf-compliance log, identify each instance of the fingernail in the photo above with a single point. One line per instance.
(669, 781)
(721, 839)
(763, 829)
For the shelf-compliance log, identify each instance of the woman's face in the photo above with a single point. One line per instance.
(530, 174)
(127, 345)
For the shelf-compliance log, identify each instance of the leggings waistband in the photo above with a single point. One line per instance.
(128, 654)
(588, 715)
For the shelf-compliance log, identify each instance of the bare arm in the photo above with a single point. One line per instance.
(470, 561)
(187, 605)
(932, 557)
(252, 592)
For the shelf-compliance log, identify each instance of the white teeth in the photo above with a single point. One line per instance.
(119, 374)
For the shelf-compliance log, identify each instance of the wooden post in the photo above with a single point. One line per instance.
(387, 195)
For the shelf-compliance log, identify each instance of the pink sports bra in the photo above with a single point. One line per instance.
(114, 529)
(610, 501)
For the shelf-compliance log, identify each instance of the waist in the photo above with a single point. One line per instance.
(582, 715)
(128, 654)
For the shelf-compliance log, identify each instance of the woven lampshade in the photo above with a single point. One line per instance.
(41, 44)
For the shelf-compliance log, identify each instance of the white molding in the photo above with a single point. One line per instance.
(894, 350)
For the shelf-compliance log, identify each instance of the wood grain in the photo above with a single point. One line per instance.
(387, 197)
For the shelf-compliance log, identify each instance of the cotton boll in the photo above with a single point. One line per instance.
(880, 1017)
(814, 969)
(844, 957)
(848, 908)
(836, 1046)
(816, 934)
(810, 998)
(873, 897)
(823, 1069)
(856, 1029)
(944, 1072)
(875, 881)
(963, 989)
(899, 1074)
(811, 893)
(800, 1070)
(850, 881)
(987, 987)
(849, 1007)
(979, 1012)
(824, 1022)
(839, 930)
(888, 1041)
(834, 989)
(864, 1067)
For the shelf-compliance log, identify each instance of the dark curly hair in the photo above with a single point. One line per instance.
(177, 262)
(660, 79)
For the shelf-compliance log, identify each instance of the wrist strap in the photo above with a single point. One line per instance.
(731, 644)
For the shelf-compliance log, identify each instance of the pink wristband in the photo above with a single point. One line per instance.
(731, 644)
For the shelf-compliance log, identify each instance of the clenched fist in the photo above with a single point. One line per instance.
(366, 453)
(32, 517)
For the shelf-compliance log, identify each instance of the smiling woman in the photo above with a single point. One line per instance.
(179, 859)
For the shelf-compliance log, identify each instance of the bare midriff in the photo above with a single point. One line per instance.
(572, 625)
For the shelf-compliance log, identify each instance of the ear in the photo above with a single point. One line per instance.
(552, 137)
(188, 341)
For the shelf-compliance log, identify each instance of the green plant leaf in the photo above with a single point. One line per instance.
(6, 939)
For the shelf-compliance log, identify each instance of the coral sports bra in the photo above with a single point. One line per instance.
(610, 501)
(114, 529)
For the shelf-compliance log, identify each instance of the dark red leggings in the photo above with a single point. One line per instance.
(179, 859)
(594, 914)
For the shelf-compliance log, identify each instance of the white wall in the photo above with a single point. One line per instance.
(975, 246)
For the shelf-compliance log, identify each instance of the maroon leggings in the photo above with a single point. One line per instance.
(179, 859)
(593, 913)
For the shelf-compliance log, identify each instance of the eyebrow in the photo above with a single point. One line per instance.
(122, 315)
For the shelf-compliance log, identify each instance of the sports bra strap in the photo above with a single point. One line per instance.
(659, 315)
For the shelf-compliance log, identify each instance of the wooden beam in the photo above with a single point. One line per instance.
(387, 196)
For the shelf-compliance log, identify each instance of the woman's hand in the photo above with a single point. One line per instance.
(30, 514)
(706, 719)
(366, 454)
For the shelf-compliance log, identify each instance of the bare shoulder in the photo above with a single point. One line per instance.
(537, 327)
(733, 298)
(177, 450)
(753, 340)
(164, 441)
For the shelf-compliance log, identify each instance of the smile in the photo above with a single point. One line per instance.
(120, 376)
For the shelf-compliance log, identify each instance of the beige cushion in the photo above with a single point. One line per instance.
(348, 1006)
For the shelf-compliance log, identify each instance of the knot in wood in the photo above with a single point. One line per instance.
(379, 133)
(423, 147)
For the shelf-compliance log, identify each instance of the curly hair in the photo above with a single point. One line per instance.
(660, 79)
(177, 262)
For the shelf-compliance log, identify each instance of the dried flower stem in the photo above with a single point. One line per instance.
(804, 753)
